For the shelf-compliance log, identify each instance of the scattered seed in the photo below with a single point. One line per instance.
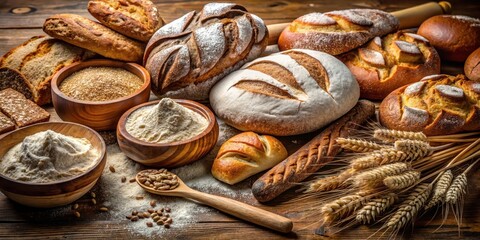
(140, 215)
(111, 168)
(167, 215)
(159, 222)
(132, 180)
(149, 224)
(94, 202)
(161, 209)
(167, 225)
(139, 197)
(151, 210)
(103, 209)
(156, 218)
(169, 221)
(129, 217)
(77, 214)
(75, 206)
(164, 218)
(154, 215)
(153, 203)
(93, 195)
(146, 214)
(167, 209)
(134, 218)
(134, 213)
(124, 179)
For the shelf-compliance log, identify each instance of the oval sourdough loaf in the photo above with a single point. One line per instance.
(385, 64)
(29, 68)
(137, 19)
(187, 56)
(437, 105)
(247, 154)
(337, 31)
(287, 93)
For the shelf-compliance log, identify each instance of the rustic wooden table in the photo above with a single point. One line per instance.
(21, 19)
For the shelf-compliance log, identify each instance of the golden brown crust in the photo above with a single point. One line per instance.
(454, 36)
(472, 66)
(138, 19)
(385, 64)
(312, 156)
(85, 33)
(437, 105)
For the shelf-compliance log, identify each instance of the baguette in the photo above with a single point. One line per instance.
(312, 156)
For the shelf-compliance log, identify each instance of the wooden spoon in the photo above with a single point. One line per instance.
(238, 209)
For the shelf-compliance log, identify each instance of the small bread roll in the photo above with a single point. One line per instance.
(246, 154)
(472, 66)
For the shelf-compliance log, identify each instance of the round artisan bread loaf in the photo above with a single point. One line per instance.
(454, 36)
(437, 105)
(385, 64)
(286, 93)
(337, 32)
(472, 66)
(247, 154)
(188, 56)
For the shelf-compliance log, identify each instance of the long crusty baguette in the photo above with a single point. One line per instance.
(313, 155)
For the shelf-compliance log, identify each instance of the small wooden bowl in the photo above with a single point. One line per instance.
(173, 154)
(59, 193)
(98, 115)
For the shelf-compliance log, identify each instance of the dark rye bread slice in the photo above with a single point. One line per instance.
(21, 110)
(6, 125)
(29, 68)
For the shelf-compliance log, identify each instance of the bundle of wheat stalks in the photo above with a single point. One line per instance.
(393, 176)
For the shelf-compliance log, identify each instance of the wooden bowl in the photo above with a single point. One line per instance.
(173, 154)
(98, 115)
(58, 193)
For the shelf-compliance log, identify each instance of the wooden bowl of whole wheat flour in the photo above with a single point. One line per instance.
(171, 154)
(46, 185)
(97, 95)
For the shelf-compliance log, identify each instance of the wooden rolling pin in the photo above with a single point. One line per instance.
(408, 18)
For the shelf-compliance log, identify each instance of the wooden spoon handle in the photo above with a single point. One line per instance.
(408, 18)
(243, 211)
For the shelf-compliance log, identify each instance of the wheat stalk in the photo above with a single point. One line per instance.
(331, 182)
(402, 181)
(376, 175)
(413, 148)
(358, 145)
(375, 207)
(389, 155)
(364, 162)
(341, 207)
(410, 207)
(440, 189)
(457, 190)
(387, 135)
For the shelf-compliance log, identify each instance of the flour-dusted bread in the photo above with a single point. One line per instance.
(247, 154)
(385, 64)
(437, 105)
(337, 32)
(29, 68)
(188, 56)
(138, 19)
(287, 93)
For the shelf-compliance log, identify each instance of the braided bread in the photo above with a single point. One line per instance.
(337, 32)
(437, 105)
(385, 64)
(187, 56)
(304, 88)
(312, 156)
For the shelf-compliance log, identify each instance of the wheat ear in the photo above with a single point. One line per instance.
(410, 207)
(331, 182)
(373, 177)
(358, 145)
(457, 190)
(365, 162)
(374, 208)
(440, 189)
(389, 155)
(413, 148)
(402, 181)
(342, 207)
(387, 135)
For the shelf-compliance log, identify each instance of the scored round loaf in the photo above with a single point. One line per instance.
(247, 154)
(337, 32)
(85, 33)
(437, 105)
(454, 36)
(472, 66)
(286, 93)
(188, 56)
(385, 64)
(138, 19)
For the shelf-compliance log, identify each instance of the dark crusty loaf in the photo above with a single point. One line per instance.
(312, 156)
(337, 31)
(6, 124)
(138, 19)
(85, 33)
(302, 88)
(21, 110)
(472, 66)
(385, 64)
(29, 68)
(437, 105)
(187, 56)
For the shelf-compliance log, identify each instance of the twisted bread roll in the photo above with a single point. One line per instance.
(437, 105)
(385, 64)
(312, 156)
(246, 154)
(287, 93)
(337, 31)
(187, 56)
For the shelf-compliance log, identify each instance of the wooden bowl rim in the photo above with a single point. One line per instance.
(103, 149)
(121, 127)
(100, 63)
